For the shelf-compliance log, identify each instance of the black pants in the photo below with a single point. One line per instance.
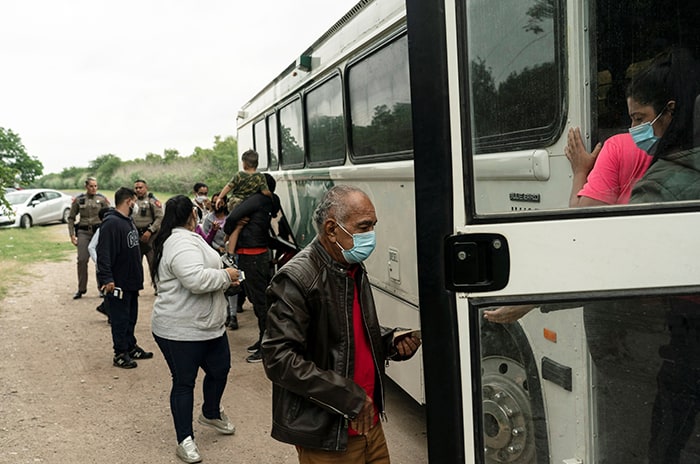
(184, 359)
(257, 278)
(123, 313)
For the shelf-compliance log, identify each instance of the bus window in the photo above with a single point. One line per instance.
(274, 141)
(517, 74)
(324, 113)
(292, 141)
(261, 144)
(380, 104)
(245, 139)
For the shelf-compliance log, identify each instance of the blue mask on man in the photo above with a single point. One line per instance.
(363, 245)
(643, 134)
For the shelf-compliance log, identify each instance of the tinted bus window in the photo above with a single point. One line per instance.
(324, 113)
(274, 140)
(380, 103)
(291, 138)
(261, 143)
(516, 73)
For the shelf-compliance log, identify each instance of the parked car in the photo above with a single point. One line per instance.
(34, 207)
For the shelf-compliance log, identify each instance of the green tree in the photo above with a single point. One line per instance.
(104, 168)
(15, 164)
(170, 155)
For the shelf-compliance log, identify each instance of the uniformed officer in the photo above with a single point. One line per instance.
(148, 213)
(87, 206)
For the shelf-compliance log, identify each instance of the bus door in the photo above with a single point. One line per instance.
(553, 334)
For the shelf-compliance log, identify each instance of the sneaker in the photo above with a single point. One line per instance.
(222, 425)
(255, 357)
(187, 451)
(124, 361)
(233, 323)
(254, 347)
(139, 353)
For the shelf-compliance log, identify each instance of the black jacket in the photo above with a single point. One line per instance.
(259, 209)
(308, 350)
(119, 254)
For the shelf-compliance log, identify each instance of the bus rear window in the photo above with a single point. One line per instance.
(380, 104)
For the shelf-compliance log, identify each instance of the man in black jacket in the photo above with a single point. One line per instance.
(251, 221)
(324, 350)
(120, 275)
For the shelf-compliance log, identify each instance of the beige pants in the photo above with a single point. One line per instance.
(362, 449)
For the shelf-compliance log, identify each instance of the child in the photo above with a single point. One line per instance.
(242, 185)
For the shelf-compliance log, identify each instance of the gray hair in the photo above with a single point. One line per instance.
(333, 204)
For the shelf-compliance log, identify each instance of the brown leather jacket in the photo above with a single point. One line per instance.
(308, 350)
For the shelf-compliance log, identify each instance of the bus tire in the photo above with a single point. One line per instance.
(515, 425)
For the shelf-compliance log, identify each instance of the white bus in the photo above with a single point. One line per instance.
(454, 116)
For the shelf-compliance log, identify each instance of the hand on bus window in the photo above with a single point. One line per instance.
(363, 422)
(581, 163)
(506, 314)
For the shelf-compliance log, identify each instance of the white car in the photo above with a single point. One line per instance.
(34, 207)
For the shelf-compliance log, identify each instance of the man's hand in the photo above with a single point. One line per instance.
(365, 419)
(146, 236)
(406, 346)
(74, 240)
(108, 288)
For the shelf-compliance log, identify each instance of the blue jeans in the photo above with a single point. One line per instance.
(184, 359)
(124, 313)
(257, 278)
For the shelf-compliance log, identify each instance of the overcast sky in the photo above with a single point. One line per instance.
(83, 78)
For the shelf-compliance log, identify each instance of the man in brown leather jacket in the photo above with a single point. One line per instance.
(323, 348)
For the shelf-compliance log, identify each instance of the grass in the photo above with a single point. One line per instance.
(20, 248)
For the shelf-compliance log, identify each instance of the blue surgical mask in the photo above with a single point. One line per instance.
(643, 134)
(362, 246)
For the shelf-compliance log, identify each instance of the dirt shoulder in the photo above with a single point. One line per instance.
(62, 401)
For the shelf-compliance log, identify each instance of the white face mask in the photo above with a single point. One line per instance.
(201, 199)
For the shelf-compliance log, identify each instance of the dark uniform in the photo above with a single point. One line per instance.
(147, 219)
(87, 207)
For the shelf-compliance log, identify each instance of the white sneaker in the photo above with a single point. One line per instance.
(187, 451)
(222, 425)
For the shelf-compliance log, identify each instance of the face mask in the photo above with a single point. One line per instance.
(201, 199)
(643, 134)
(362, 246)
(131, 210)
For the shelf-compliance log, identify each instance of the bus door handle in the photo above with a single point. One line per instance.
(476, 262)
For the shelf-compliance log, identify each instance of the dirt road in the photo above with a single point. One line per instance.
(62, 401)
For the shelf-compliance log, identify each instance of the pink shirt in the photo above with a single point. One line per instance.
(619, 166)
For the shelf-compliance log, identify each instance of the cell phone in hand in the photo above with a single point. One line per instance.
(117, 293)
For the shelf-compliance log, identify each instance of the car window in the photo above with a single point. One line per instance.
(17, 198)
(51, 195)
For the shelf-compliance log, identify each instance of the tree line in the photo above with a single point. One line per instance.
(169, 172)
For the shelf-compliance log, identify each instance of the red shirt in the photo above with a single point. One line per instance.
(364, 372)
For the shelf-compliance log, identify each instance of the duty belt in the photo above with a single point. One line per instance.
(89, 228)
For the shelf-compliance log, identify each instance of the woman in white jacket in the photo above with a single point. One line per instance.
(188, 321)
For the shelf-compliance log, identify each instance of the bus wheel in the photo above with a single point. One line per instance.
(509, 434)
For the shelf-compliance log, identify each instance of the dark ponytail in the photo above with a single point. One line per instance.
(178, 211)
